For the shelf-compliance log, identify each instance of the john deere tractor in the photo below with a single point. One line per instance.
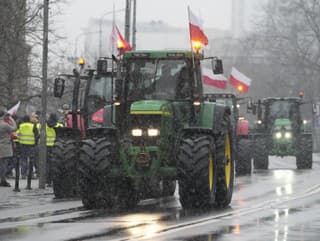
(280, 131)
(91, 91)
(159, 129)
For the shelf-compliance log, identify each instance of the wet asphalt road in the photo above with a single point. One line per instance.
(278, 204)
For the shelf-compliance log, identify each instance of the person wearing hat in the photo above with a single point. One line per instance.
(7, 125)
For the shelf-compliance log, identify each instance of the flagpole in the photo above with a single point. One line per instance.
(192, 54)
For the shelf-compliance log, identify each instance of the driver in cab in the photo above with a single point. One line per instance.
(166, 82)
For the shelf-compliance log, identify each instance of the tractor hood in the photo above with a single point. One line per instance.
(282, 123)
(151, 107)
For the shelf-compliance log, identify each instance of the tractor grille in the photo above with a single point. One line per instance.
(145, 122)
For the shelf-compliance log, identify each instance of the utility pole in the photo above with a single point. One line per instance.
(43, 144)
(127, 21)
(134, 23)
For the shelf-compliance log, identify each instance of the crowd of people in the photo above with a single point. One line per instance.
(19, 142)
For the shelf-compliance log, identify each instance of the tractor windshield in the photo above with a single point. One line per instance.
(158, 79)
(99, 93)
(284, 109)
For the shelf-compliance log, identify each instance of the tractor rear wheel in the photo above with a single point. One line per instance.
(304, 158)
(64, 168)
(243, 164)
(97, 188)
(197, 173)
(225, 167)
(260, 157)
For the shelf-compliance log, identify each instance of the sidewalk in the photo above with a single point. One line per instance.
(30, 202)
(11, 199)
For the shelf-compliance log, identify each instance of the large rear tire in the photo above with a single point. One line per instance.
(304, 158)
(243, 163)
(260, 157)
(64, 168)
(197, 172)
(97, 188)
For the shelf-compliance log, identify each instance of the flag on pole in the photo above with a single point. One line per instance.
(239, 80)
(118, 41)
(197, 35)
(14, 109)
(216, 80)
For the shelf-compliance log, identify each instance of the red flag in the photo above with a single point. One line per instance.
(197, 34)
(217, 80)
(239, 80)
(14, 109)
(118, 41)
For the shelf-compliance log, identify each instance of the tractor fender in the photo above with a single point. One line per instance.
(242, 128)
(68, 133)
(221, 112)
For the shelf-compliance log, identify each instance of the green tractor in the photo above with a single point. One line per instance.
(159, 129)
(242, 142)
(91, 91)
(280, 131)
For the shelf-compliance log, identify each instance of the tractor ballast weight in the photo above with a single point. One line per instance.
(279, 131)
(161, 130)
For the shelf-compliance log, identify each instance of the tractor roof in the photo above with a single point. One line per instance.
(271, 99)
(166, 54)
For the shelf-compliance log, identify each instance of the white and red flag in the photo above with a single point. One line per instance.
(118, 41)
(216, 80)
(14, 109)
(239, 80)
(197, 34)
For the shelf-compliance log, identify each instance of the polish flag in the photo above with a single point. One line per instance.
(118, 41)
(217, 80)
(197, 34)
(239, 80)
(14, 109)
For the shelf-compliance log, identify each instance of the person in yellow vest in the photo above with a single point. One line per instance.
(28, 134)
(52, 124)
(35, 120)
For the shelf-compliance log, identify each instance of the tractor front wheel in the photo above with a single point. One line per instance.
(243, 164)
(304, 158)
(197, 173)
(260, 158)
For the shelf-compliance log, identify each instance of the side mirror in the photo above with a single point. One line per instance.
(58, 87)
(217, 66)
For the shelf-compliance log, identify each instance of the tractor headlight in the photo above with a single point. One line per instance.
(287, 135)
(278, 135)
(153, 132)
(136, 132)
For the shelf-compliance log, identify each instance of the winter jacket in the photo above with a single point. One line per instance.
(5, 139)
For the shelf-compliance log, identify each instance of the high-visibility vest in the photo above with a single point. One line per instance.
(26, 135)
(58, 125)
(51, 135)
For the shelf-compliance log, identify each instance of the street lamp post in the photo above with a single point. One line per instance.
(100, 27)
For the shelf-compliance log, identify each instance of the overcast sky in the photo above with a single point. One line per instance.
(215, 13)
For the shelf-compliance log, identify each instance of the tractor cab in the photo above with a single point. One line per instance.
(281, 109)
